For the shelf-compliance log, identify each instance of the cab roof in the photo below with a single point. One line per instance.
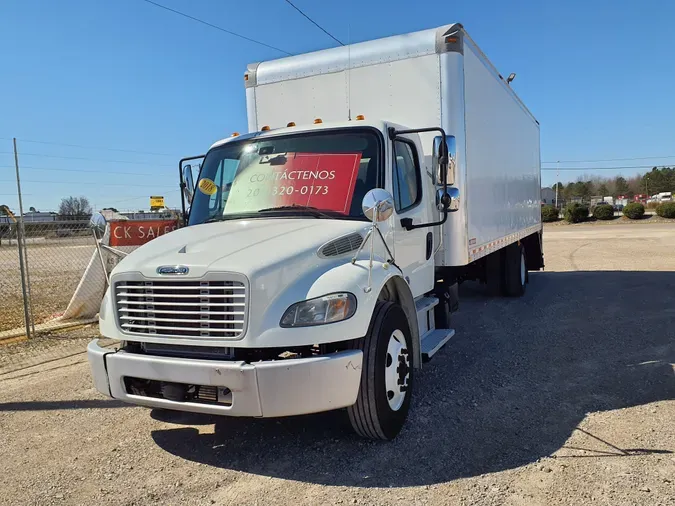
(377, 124)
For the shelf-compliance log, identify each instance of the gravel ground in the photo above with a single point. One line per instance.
(566, 396)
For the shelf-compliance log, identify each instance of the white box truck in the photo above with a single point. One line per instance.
(320, 262)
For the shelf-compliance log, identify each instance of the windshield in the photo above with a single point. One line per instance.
(288, 175)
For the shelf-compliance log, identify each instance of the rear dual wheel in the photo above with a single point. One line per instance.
(515, 270)
(386, 375)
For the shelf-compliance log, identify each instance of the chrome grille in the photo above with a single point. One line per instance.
(342, 245)
(182, 308)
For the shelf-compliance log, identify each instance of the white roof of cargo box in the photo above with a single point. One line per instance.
(447, 38)
(397, 47)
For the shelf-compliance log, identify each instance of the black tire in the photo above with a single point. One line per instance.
(515, 270)
(372, 416)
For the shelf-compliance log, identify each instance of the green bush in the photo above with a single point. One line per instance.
(603, 212)
(666, 210)
(549, 214)
(576, 213)
(634, 211)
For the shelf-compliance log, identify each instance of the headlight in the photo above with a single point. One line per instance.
(330, 308)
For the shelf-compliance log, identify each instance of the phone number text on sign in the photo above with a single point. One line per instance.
(321, 180)
(290, 190)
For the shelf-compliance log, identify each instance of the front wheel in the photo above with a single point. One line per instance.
(387, 375)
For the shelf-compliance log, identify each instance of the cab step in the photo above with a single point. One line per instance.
(433, 341)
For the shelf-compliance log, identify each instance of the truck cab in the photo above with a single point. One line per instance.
(267, 302)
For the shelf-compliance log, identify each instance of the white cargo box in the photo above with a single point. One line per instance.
(436, 77)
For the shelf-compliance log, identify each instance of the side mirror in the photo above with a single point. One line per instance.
(97, 224)
(438, 153)
(188, 183)
(449, 200)
(378, 205)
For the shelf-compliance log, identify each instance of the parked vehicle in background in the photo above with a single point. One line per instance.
(595, 201)
(321, 261)
(665, 197)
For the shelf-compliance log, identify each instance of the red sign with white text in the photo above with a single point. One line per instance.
(321, 180)
(136, 233)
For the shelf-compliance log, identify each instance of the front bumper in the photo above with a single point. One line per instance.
(262, 389)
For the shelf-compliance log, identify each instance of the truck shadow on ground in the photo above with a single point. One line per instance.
(511, 387)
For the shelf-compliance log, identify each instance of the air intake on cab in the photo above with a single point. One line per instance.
(342, 245)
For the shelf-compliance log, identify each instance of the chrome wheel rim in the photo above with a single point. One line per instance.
(397, 370)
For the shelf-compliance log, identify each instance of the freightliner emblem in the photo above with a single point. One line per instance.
(177, 270)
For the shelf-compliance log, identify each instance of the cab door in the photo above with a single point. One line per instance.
(412, 190)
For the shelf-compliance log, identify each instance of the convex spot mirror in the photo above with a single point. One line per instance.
(378, 205)
(97, 224)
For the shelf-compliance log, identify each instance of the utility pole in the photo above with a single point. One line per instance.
(557, 178)
(20, 235)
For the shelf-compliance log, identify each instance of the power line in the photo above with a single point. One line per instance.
(75, 183)
(590, 169)
(613, 159)
(90, 147)
(84, 158)
(216, 27)
(314, 22)
(101, 172)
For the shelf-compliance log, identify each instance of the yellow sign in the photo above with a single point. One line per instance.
(156, 202)
(207, 186)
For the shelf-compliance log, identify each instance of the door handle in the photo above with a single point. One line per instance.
(430, 244)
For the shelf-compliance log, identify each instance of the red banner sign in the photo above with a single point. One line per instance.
(321, 180)
(136, 233)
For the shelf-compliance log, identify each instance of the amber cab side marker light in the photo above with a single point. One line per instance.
(235, 134)
(450, 40)
(291, 124)
(265, 128)
(317, 121)
(360, 117)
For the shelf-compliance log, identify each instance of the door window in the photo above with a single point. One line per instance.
(407, 187)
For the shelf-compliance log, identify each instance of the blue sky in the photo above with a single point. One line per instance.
(123, 74)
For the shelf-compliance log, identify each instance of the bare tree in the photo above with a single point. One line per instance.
(75, 206)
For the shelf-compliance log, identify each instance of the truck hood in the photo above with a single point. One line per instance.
(243, 246)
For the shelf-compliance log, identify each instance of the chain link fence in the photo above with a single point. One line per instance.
(55, 256)
(11, 299)
(42, 287)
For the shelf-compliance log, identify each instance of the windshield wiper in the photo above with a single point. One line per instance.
(226, 217)
(312, 211)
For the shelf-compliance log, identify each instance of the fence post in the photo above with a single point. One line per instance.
(20, 239)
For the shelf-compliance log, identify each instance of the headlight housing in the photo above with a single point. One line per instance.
(330, 308)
